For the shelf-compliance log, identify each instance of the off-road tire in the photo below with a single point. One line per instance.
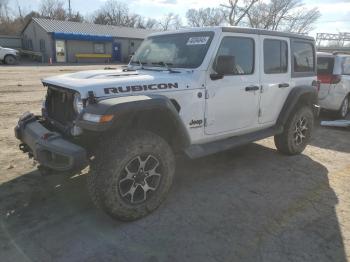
(10, 60)
(287, 142)
(342, 113)
(110, 164)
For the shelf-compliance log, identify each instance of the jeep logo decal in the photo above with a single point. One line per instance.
(139, 88)
(196, 123)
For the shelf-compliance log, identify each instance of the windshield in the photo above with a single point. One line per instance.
(181, 50)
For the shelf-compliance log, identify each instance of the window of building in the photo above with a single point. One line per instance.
(304, 57)
(275, 56)
(99, 48)
(242, 51)
(30, 44)
(42, 45)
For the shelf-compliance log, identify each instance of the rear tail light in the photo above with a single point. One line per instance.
(316, 84)
(329, 79)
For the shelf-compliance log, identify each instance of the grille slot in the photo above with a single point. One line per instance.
(59, 105)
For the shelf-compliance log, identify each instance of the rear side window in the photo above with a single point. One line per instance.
(325, 65)
(275, 56)
(242, 49)
(303, 57)
(346, 66)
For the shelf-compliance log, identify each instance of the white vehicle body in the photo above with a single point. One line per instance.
(4, 52)
(334, 74)
(210, 109)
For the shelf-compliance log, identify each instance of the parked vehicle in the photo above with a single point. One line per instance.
(8, 55)
(333, 70)
(197, 91)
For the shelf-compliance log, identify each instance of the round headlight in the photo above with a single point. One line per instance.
(78, 104)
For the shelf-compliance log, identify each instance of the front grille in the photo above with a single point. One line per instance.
(59, 105)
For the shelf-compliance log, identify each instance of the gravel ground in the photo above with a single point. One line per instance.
(246, 204)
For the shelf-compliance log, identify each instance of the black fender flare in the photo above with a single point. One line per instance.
(299, 94)
(126, 108)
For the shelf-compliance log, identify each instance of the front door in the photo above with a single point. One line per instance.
(60, 51)
(117, 52)
(275, 77)
(232, 102)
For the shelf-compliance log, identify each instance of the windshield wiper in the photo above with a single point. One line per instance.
(166, 65)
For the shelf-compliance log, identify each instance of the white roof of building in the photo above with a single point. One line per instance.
(58, 26)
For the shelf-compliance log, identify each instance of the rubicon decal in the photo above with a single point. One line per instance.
(140, 88)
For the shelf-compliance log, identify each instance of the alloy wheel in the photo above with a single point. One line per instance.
(300, 131)
(141, 178)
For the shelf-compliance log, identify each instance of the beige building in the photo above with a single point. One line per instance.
(65, 41)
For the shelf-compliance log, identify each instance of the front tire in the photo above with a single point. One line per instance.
(131, 175)
(10, 60)
(297, 132)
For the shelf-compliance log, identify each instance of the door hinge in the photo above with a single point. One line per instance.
(259, 113)
(205, 121)
(261, 89)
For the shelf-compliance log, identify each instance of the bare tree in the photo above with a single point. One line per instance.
(53, 9)
(117, 13)
(205, 17)
(170, 21)
(283, 15)
(235, 11)
(4, 11)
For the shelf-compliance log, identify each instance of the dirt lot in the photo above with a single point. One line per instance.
(247, 204)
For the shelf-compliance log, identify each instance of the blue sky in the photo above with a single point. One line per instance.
(335, 13)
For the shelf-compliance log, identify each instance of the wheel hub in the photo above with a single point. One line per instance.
(300, 130)
(141, 178)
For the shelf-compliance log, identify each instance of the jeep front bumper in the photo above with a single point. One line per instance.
(49, 148)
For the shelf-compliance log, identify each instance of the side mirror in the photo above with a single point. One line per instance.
(225, 65)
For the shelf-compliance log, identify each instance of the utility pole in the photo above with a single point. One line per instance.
(69, 10)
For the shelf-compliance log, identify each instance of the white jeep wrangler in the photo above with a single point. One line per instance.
(197, 91)
(8, 55)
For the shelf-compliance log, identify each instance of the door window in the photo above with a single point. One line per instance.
(242, 51)
(346, 66)
(304, 57)
(275, 56)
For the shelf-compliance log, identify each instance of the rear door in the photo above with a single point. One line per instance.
(275, 76)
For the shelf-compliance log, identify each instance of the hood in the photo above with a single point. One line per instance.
(9, 50)
(118, 82)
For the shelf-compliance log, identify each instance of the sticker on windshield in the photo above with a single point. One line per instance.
(198, 40)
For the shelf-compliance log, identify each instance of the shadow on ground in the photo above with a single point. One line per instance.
(249, 204)
(337, 139)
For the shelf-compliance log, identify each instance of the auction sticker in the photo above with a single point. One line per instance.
(198, 40)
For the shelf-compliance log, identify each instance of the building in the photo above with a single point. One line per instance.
(11, 41)
(65, 41)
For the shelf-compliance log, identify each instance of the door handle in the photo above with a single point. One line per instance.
(283, 85)
(252, 88)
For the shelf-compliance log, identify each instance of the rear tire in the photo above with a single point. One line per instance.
(344, 109)
(297, 132)
(131, 175)
(10, 60)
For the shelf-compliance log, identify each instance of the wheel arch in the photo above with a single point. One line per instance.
(300, 95)
(154, 113)
(7, 55)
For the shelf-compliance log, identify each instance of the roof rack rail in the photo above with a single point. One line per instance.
(341, 52)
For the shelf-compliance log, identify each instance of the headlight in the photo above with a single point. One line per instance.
(78, 104)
